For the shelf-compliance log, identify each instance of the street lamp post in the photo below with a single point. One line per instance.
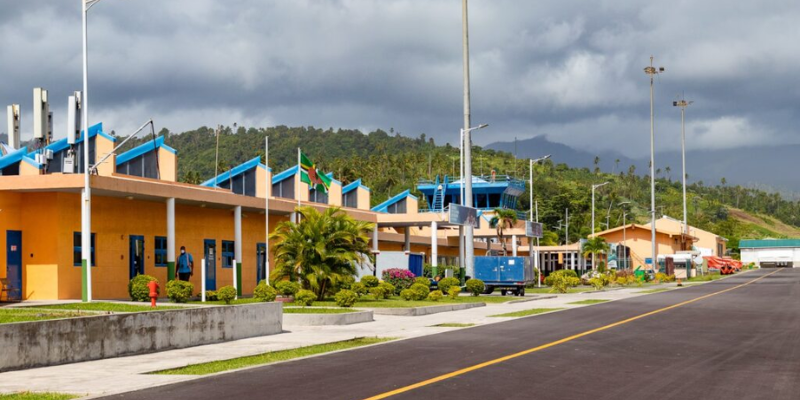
(683, 104)
(594, 266)
(469, 245)
(86, 209)
(652, 72)
(530, 199)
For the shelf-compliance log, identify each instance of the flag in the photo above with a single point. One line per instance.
(313, 176)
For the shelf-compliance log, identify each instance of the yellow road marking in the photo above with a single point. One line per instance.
(555, 343)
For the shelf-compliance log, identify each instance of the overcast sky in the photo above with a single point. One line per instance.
(571, 70)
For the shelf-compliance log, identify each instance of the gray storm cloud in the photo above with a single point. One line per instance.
(571, 70)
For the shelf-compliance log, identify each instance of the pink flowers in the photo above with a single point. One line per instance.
(400, 278)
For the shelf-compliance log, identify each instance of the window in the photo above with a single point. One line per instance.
(161, 251)
(350, 199)
(227, 254)
(76, 249)
(316, 196)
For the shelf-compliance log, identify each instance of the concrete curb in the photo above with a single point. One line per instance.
(532, 299)
(427, 310)
(349, 318)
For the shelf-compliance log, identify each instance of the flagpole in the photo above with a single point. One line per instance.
(267, 191)
(297, 187)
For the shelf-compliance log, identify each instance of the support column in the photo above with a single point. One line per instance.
(407, 237)
(461, 252)
(514, 245)
(375, 249)
(170, 239)
(434, 249)
(237, 248)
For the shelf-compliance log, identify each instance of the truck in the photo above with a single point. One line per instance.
(507, 274)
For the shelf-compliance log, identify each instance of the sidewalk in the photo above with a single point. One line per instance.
(124, 374)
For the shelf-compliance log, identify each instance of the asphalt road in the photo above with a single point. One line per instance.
(740, 344)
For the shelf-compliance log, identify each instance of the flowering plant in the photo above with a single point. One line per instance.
(399, 278)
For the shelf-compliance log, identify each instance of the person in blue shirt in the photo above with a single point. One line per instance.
(185, 265)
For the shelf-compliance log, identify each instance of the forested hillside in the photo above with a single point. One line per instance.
(389, 163)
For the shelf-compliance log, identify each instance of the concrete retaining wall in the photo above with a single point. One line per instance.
(328, 319)
(41, 343)
(418, 311)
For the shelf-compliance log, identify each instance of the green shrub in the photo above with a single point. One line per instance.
(137, 287)
(562, 282)
(445, 284)
(622, 281)
(287, 288)
(359, 288)
(388, 289)
(370, 281)
(400, 278)
(226, 294)
(407, 294)
(565, 272)
(179, 291)
(475, 286)
(211, 295)
(597, 283)
(435, 295)
(305, 297)
(345, 283)
(422, 281)
(420, 291)
(377, 292)
(346, 298)
(601, 267)
(264, 292)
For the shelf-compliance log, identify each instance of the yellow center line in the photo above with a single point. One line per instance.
(551, 344)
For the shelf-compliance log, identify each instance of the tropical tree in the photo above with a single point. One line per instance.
(321, 250)
(595, 246)
(503, 218)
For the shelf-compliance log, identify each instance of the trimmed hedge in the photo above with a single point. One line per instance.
(137, 287)
(179, 291)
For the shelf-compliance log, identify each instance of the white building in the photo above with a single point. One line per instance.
(771, 253)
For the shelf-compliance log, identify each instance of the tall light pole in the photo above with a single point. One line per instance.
(530, 199)
(86, 209)
(466, 185)
(469, 244)
(652, 72)
(683, 104)
(594, 266)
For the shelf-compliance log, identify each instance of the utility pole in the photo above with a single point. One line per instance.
(652, 72)
(683, 104)
(469, 245)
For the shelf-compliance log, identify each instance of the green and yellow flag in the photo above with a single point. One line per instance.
(313, 176)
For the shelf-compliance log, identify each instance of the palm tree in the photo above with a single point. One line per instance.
(321, 250)
(595, 246)
(503, 218)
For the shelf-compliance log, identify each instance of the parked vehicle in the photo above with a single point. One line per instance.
(507, 274)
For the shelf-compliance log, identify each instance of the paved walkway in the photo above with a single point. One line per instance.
(123, 374)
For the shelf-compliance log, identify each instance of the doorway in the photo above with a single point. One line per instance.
(14, 265)
(210, 255)
(261, 256)
(136, 255)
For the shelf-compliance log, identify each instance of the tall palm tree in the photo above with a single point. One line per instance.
(503, 218)
(594, 247)
(321, 250)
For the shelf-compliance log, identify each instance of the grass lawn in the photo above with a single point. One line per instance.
(316, 310)
(589, 301)
(452, 325)
(8, 315)
(105, 306)
(705, 278)
(271, 357)
(397, 302)
(37, 396)
(525, 313)
(659, 290)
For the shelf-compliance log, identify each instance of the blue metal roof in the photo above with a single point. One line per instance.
(333, 180)
(236, 171)
(13, 157)
(353, 185)
(144, 148)
(285, 174)
(479, 185)
(61, 145)
(383, 206)
(768, 243)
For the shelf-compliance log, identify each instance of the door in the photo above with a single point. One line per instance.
(261, 256)
(14, 265)
(136, 255)
(210, 254)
